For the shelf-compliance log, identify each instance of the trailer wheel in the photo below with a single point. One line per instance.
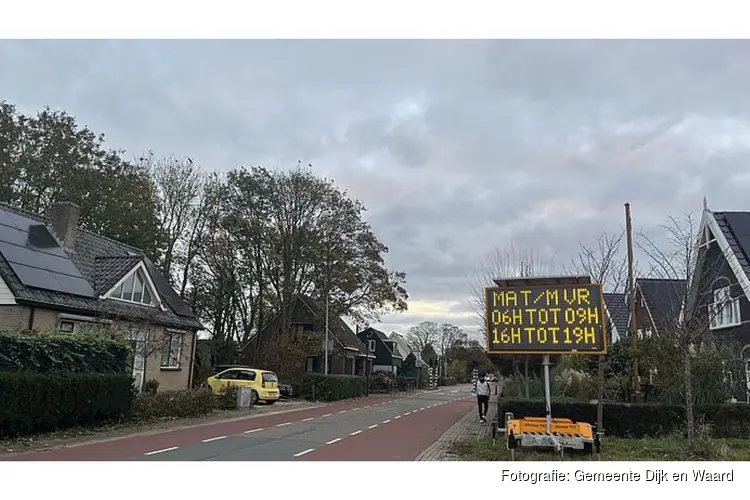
(588, 448)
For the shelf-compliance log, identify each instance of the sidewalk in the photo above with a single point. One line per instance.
(469, 427)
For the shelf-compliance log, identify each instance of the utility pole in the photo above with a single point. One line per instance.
(326, 339)
(633, 331)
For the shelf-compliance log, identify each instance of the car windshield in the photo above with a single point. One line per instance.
(270, 377)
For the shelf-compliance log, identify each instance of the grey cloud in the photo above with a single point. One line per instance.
(454, 146)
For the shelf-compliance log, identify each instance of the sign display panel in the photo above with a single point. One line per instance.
(546, 319)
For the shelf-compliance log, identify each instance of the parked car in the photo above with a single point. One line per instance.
(285, 391)
(263, 383)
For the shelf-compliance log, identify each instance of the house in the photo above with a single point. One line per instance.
(348, 355)
(720, 286)
(387, 357)
(616, 310)
(657, 303)
(55, 276)
(403, 349)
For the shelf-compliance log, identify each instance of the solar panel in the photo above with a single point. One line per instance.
(34, 277)
(5, 220)
(37, 259)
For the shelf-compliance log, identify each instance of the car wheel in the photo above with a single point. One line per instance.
(271, 402)
(253, 398)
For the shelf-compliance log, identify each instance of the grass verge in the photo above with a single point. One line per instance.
(671, 448)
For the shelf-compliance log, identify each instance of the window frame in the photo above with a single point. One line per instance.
(167, 348)
(138, 275)
(724, 311)
(371, 345)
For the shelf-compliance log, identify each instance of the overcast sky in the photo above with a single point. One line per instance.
(455, 147)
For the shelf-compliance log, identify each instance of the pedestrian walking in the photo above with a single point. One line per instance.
(483, 397)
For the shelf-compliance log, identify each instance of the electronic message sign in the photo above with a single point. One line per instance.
(546, 319)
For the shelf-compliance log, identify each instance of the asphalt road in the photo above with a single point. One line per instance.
(377, 428)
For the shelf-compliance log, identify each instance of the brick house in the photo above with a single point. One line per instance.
(720, 291)
(55, 276)
(657, 302)
(348, 354)
(387, 357)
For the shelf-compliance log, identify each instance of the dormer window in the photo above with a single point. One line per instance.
(136, 287)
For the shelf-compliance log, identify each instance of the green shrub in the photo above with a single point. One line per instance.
(151, 386)
(382, 382)
(227, 400)
(319, 387)
(639, 420)
(173, 404)
(44, 402)
(42, 353)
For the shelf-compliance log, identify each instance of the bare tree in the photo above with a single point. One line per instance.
(422, 335)
(605, 263)
(508, 262)
(680, 257)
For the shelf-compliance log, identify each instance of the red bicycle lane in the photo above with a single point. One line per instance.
(397, 440)
(131, 446)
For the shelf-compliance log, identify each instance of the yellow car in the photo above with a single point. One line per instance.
(264, 384)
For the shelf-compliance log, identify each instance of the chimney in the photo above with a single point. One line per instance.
(63, 219)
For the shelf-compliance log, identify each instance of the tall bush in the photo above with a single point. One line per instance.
(43, 402)
(319, 387)
(44, 353)
(639, 420)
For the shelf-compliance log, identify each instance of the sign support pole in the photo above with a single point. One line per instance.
(547, 395)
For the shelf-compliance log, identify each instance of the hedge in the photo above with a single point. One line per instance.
(32, 403)
(319, 387)
(173, 404)
(43, 353)
(640, 420)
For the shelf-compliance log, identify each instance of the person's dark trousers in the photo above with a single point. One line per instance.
(483, 402)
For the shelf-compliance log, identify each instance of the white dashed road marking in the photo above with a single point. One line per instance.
(342, 411)
(396, 417)
(304, 452)
(327, 415)
(333, 441)
(355, 433)
(373, 426)
(214, 439)
(307, 419)
(386, 421)
(254, 430)
(156, 452)
(282, 425)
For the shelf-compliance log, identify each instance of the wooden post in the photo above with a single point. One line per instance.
(635, 385)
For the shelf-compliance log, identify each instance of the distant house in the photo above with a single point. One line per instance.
(720, 290)
(57, 276)
(616, 309)
(348, 354)
(404, 349)
(658, 302)
(387, 357)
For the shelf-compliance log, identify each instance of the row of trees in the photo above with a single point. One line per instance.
(449, 348)
(237, 246)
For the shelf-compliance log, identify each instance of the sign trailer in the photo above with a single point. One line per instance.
(557, 315)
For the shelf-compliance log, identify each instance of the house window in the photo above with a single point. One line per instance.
(70, 326)
(371, 345)
(172, 350)
(300, 328)
(134, 289)
(725, 310)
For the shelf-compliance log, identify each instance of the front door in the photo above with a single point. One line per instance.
(138, 342)
(139, 367)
